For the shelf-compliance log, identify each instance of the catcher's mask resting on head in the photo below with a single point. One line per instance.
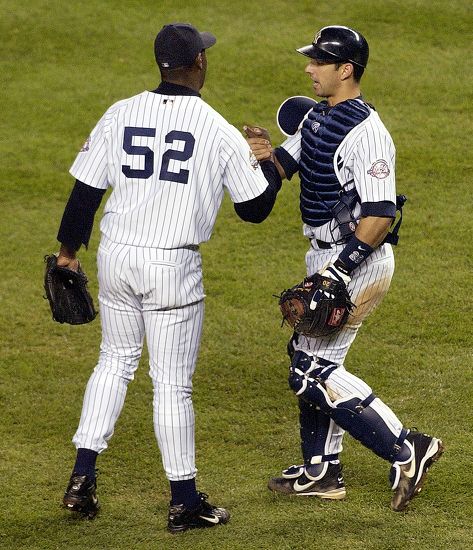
(318, 306)
(66, 291)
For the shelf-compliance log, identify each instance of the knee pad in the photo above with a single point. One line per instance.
(306, 377)
(300, 365)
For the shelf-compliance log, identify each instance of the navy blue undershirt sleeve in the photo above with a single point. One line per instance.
(290, 166)
(257, 210)
(78, 218)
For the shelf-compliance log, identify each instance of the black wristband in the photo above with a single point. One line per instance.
(354, 253)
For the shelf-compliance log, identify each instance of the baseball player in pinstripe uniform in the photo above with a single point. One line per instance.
(168, 157)
(346, 159)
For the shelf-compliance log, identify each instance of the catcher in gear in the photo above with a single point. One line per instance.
(67, 293)
(345, 159)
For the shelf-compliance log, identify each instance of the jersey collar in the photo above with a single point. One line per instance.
(167, 88)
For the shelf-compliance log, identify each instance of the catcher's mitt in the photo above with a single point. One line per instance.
(318, 306)
(67, 293)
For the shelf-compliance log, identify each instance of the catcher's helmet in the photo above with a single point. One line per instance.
(336, 44)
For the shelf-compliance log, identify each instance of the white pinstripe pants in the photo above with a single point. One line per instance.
(369, 284)
(157, 294)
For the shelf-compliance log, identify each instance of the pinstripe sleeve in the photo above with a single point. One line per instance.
(242, 174)
(374, 164)
(292, 145)
(90, 165)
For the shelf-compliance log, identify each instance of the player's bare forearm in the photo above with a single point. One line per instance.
(372, 230)
(279, 167)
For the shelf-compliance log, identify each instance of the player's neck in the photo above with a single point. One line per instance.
(187, 82)
(343, 94)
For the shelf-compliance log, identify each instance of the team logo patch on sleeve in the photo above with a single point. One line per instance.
(86, 145)
(253, 161)
(379, 169)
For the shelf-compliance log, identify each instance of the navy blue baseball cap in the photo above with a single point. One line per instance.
(178, 44)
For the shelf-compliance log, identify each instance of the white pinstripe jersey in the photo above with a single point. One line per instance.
(368, 154)
(168, 159)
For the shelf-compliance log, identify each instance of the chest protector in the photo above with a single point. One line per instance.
(322, 132)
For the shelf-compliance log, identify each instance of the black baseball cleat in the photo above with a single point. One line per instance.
(407, 479)
(205, 515)
(80, 496)
(297, 480)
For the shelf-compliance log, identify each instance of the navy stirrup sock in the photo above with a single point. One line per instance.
(85, 463)
(185, 492)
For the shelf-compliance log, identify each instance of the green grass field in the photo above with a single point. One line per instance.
(62, 64)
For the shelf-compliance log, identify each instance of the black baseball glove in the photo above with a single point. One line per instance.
(67, 293)
(317, 306)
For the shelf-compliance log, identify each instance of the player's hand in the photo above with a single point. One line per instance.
(67, 258)
(259, 141)
(335, 270)
(256, 132)
(63, 261)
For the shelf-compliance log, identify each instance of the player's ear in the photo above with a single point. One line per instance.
(347, 71)
(199, 60)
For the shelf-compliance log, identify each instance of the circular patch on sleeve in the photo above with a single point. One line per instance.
(86, 146)
(379, 169)
(253, 161)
